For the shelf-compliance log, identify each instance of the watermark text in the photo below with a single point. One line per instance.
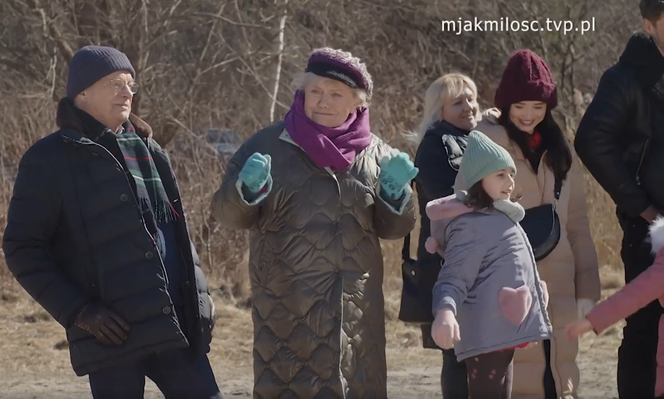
(505, 24)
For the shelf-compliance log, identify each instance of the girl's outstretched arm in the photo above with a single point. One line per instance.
(638, 293)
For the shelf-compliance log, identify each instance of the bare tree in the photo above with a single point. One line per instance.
(220, 63)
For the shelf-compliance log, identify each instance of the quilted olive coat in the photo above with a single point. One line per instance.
(316, 269)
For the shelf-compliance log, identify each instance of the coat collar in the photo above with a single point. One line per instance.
(642, 52)
(76, 126)
(442, 128)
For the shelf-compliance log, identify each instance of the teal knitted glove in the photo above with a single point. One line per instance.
(255, 172)
(395, 174)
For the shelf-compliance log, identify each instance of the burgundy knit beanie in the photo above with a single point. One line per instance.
(526, 78)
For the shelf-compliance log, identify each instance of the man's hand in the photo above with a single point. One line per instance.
(213, 312)
(445, 329)
(650, 214)
(103, 323)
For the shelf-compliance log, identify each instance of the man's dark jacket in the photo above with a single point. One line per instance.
(74, 233)
(622, 132)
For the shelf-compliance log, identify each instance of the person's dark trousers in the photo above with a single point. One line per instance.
(549, 382)
(453, 377)
(636, 355)
(177, 374)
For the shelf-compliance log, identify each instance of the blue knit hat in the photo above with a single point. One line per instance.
(92, 63)
(482, 158)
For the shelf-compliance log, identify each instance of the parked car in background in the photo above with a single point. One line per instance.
(219, 142)
(225, 141)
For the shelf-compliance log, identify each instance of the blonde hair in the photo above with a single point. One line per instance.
(439, 92)
(301, 80)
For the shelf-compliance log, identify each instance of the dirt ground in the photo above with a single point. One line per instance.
(34, 361)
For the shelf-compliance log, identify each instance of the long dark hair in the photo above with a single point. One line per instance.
(477, 198)
(559, 156)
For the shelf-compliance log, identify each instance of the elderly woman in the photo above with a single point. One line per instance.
(318, 191)
(451, 111)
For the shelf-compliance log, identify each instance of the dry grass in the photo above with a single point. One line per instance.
(34, 361)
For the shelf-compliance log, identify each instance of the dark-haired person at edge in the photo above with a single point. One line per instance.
(620, 141)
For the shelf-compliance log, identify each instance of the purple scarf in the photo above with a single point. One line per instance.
(335, 147)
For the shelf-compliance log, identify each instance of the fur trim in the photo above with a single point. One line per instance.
(446, 207)
(639, 50)
(66, 118)
(657, 234)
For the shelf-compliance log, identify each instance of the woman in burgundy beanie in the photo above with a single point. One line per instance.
(526, 77)
(526, 128)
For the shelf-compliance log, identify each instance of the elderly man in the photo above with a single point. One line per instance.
(96, 234)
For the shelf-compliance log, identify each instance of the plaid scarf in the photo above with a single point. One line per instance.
(150, 190)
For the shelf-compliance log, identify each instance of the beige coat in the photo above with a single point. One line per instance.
(316, 269)
(570, 271)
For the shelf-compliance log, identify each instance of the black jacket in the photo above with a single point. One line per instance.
(438, 158)
(74, 234)
(622, 134)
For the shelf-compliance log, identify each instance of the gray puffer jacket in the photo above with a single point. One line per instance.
(489, 278)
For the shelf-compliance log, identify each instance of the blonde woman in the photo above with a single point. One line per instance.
(450, 113)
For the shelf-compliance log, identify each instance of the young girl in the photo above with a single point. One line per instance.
(645, 288)
(488, 299)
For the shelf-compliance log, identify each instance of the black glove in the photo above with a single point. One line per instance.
(103, 323)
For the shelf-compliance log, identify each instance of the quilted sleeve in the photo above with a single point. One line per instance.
(229, 205)
(393, 223)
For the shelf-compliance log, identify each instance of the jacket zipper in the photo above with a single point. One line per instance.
(163, 269)
(190, 273)
(643, 155)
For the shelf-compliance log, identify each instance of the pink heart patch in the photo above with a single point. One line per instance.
(515, 303)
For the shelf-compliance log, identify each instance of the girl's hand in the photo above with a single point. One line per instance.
(577, 328)
(445, 329)
(530, 345)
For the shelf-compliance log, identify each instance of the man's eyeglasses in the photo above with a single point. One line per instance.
(117, 85)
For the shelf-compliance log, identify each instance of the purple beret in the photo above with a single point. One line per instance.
(342, 66)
